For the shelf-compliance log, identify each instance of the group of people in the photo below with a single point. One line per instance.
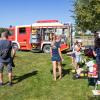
(77, 57)
(7, 53)
(57, 59)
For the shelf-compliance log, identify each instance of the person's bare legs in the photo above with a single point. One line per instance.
(54, 69)
(77, 67)
(10, 76)
(1, 73)
(72, 60)
(1, 77)
(60, 70)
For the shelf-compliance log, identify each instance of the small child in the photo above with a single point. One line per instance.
(73, 54)
(78, 57)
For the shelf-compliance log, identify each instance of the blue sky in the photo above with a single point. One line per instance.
(24, 12)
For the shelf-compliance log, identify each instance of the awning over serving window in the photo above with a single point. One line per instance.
(49, 25)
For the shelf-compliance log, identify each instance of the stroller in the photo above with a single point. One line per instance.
(92, 72)
(93, 77)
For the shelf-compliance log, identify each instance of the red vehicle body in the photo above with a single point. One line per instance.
(37, 36)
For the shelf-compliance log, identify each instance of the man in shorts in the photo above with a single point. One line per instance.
(5, 57)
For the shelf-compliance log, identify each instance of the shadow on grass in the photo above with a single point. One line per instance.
(64, 71)
(92, 81)
(94, 98)
(23, 77)
(63, 65)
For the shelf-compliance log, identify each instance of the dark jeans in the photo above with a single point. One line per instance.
(99, 72)
(98, 61)
(98, 66)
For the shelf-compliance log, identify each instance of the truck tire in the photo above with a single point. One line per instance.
(46, 48)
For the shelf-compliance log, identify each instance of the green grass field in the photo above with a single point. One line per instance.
(34, 81)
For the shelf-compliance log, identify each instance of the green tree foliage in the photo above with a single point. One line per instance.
(2, 30)
(87, 14)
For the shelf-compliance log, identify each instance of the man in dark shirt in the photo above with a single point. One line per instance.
(5, 57)
(96, 52)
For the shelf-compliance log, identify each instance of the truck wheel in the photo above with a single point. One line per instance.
(46, 48)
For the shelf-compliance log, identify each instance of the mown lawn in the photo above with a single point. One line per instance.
(33, 80)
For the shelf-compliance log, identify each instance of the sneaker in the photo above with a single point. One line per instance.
(98, 82)
(10, 83)
(1, 84)
(77, 76)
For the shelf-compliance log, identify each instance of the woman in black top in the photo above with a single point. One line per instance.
(56, 56)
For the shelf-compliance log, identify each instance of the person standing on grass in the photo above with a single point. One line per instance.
(5, 57)
(77, 54)
(96, 52)
(56, 56)
(73, 55)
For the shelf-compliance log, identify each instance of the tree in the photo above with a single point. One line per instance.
(87, 14)
(2, 30)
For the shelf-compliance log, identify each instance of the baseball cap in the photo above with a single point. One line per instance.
(80, 40)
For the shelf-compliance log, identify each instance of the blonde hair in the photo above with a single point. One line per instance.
(54, 39)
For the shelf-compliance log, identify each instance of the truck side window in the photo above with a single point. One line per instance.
(22, 30)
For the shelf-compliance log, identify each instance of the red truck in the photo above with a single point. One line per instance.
(37, 37)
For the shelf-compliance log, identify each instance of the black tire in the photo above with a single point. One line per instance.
(46, 48)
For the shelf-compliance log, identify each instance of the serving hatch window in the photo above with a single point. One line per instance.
(58, 31)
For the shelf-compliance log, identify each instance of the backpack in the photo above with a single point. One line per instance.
(4, 52)
(88, 52)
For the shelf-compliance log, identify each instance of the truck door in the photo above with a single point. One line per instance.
(24, 38)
